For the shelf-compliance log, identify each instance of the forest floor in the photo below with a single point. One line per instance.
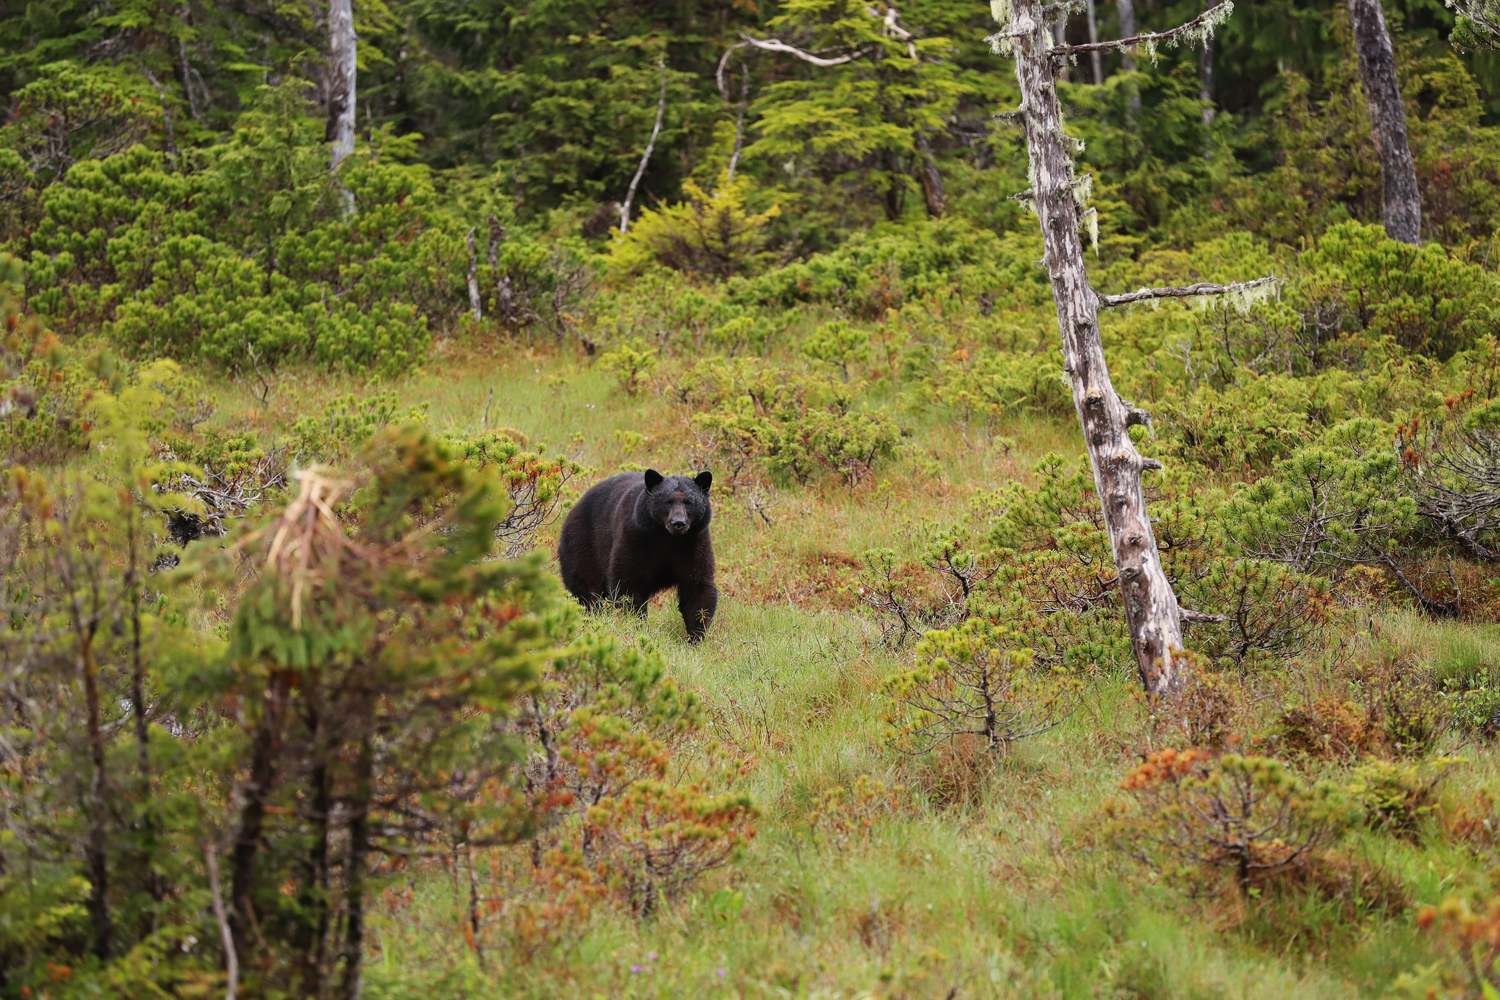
(873, 874)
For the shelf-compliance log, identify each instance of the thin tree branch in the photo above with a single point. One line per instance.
(777, 45)
(231, 958)
(661, 109)
(1442, 609)
(890, 28)
(1209, 18)
(1182, 291)
(723, 62)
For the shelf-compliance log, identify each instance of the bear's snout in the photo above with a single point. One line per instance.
(677, 519)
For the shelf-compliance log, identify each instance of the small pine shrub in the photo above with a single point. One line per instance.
(1399, 797)
(629, 362)
(969, 681)
(1198, 820)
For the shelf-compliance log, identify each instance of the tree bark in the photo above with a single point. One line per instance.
(661, 109)
(310, 937)
(1150, 606)
(342, 53)
(739, 123)
(473, 276)
(1206, 82)
(98, 837)
(504, 293)
(359, 849)
(231, 956)
(266, 747)
(192, 80)
(933, 192)
(1402, 209)
(1126, 9)
(1096, 57)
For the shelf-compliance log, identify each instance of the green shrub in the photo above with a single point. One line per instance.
(345, 425)
(1249, 818)
(713, 234)
(799, 426)
(629, 361)
(973, 681)
(1422, 298)
(247, 259)
(1399, 797)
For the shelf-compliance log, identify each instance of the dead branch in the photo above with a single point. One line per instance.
(1205, 21)
(890, 28)
(724, 62)
(1182, 291)
(777, 45)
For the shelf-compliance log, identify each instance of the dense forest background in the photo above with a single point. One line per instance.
(552, 105)
(301, 367)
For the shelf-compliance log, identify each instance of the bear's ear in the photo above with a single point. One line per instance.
(653, 479)
(704, 480)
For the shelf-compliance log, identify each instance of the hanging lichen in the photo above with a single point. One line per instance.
(1089, 222)
(1195, 35)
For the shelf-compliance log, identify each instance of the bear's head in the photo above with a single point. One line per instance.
(678, 503)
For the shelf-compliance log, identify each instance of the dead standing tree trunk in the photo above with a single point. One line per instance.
(1402, 212)
(1151, 611)
(661, 109)
(342, 54)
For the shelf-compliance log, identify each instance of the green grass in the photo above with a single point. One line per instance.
(984, 879)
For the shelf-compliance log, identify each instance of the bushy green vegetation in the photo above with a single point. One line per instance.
(291, 701)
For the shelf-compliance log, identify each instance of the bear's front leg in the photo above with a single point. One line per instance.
(698, 602)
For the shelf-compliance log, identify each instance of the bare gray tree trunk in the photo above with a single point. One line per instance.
(739, 123)
(192, 80)
(166, 112)
(342, 52)
(1206, 82)
(1127, 30)
(1095, 57)
(1150, 606)
(1151, 611)
(473, 276)
(231, 959)
(661, 109)
(1377, 71)
(504, 293)
(1060, 33)
(1126, 10)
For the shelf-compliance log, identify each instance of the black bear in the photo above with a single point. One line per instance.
(635, 535)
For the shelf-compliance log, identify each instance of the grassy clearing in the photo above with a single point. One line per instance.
(966, 877)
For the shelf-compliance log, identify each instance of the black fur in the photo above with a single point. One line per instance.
(635, 535)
